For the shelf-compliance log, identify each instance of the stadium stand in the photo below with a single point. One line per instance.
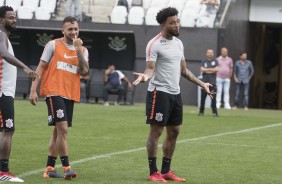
(2, 2)
(136, 15)
(179, 4)
(158, 3)
(119, 15)
(191, 12)
(25, 12)
(150, 17)
(15, 4)
(48, 4)
(42, 13)
(146, 4)
(31, 4)
(188, 18)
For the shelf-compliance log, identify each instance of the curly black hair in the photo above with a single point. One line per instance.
(165, 13)
(69, 19)
(4, 9)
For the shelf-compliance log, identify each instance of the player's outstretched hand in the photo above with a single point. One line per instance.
(141, 78)
(208, 88)
(33, 98)
(30, 73)
(77, 42)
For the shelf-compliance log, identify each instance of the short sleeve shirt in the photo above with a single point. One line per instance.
(209, 77)
(50, 48)
(168, 55)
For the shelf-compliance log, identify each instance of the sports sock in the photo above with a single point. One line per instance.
(51, 161)
(152, 164)
(65, 161)
(4, 165)
(165, 165)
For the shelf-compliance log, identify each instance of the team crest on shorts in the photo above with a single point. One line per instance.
(60, 113)
(9, 123)
(159, 116)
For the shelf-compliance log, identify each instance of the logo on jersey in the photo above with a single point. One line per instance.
(213, 63)
(117, 43)
(159, 116)
(69, 57)
(60, 113)
(9, 123)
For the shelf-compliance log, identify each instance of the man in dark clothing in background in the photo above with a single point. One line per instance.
(112, 80)
(209, 67)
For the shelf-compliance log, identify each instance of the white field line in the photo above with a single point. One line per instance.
(239, 145)
(144, 148)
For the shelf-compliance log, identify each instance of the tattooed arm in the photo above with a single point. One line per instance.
(83, 67)
(187, 74)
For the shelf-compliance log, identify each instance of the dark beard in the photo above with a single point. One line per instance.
(10, 28)
(173, 34)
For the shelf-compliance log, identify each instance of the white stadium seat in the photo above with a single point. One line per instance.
(188, 18)
(25, 12)
(193, 5)
(159, 3)
(49, 4)
(2, 2)
(146, 4)
(33, 4)
(150, 18)
(179, 4)
(15, 4)
(118, 15)
(42, 13)
(136, 15)
(203, 20)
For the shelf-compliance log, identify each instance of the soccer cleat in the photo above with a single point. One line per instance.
(51, 172)
(171, 176)
(8, 176)
(69, 173)
(157, 177)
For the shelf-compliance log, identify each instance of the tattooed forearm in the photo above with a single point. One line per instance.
(83, 67)
(187, 74)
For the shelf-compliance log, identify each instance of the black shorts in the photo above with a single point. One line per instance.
(164, 109)
(59, 109)
(7, 114)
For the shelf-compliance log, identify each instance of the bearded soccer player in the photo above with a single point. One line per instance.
(165, 64)
(61, 64)
(8, 76)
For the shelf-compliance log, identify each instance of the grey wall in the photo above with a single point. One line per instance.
(195, 40)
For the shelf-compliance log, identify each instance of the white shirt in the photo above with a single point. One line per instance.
(168, 55)
(8, 75)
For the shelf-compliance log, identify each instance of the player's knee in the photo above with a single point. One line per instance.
(8, 133)
(173, 133)
(62, 130)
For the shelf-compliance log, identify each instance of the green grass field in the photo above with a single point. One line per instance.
(107, 145)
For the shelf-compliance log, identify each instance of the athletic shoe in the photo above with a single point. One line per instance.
(157, 177)
(8, 176)
(171, 176)
(51, 172)
(69, 173)
(106, 104)
(246, 108)
(116, 103)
